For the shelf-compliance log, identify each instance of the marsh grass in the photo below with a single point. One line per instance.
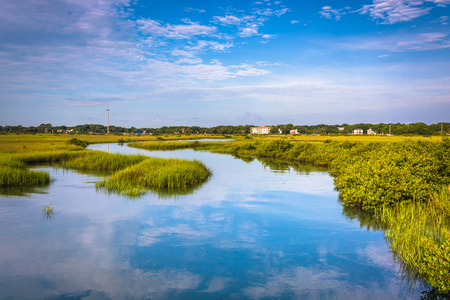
(177, 145)
(97, 162)
(48, 211)
(169, 175)
(419, 235)
(18, 153)
(10, 176)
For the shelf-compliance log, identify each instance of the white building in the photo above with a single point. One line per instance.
(293, 131)
(371, 132)
(358, 131)
(260, 130)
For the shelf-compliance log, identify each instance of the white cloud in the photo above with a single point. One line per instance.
(249, 31)
(269, 36)
(178, 52)
(270, 12)
(328, 12)
(394, 11)
(211, 72)
(294, 22)
(190, 9)
(229, 20)
(388, 11)
(155, 28)
(418, 42)
(191, 61)
(211, 45)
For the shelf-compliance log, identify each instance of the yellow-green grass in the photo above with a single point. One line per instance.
(341, 138)
(177, 145)
(20, 151)
(14, 143)
(22, 177)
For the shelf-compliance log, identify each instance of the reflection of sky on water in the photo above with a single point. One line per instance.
(249, 232)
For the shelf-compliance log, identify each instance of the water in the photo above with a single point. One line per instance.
(253, 231)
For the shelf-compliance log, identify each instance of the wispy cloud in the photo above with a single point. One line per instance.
(270, 11)
(393, 11)
(190, 9)
(418, 42)
(248, 24)
(211, 72)
(388, 11)
(184, 31)
(330, 13)
(211, 45)
(232, 20)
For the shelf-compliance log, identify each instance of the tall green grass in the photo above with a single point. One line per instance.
(22, 177)
(156, 174)
(131, 175)
(419, 234)
(14, 172)
(100, 162)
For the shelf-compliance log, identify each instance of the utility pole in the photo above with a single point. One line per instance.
(107, 119)
(389, 129)
(442, 128)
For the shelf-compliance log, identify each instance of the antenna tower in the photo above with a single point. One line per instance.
(107, 120)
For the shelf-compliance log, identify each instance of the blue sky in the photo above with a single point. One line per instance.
(208, 63)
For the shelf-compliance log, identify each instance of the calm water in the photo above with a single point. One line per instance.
(254, 230)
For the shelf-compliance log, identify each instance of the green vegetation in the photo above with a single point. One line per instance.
(48, 210)
(130, 174)
(96, 162)
(174, 145)
(156, 174)
(77, 142)
(420, 236)
(14, 173)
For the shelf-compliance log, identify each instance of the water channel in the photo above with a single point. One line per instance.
(255, 230)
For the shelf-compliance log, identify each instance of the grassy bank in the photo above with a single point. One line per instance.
(419, 234)
(168, 175)
(127, 174)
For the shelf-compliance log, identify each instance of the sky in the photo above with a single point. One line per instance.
(208, 63)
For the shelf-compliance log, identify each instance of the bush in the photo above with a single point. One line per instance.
(77, 142)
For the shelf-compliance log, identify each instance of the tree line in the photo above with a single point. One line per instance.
(321, 129)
